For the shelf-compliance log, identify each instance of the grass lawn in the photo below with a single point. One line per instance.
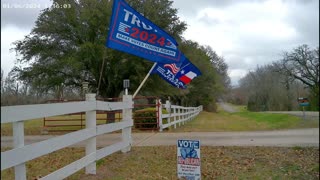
(144, 163)
(243, 121)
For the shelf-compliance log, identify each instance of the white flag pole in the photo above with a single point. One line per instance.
(144, 80)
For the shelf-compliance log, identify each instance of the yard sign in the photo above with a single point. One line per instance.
(303, 101)
(188, 159)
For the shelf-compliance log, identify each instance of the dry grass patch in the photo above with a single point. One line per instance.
(144, 163)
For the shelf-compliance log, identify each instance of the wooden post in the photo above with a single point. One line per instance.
(91, 118)
(127, 116)
(18, 141)
(144, 80)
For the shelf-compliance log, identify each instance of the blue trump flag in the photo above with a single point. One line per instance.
(177, 74)
(132, 33)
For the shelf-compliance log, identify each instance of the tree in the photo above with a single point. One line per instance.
(2, 81)
(302, 64)
(220, 65)
(66, 47)
(265, 89)
(206, 88)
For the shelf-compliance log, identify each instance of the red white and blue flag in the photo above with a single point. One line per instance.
(132, 33)
(173, 67)
(177, 74)
(186, 78)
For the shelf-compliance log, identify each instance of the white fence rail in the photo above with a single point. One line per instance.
(21, 153)
(177, 115)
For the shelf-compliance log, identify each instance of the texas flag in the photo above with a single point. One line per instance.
(177, 74)
(186, 79)
(187, 72)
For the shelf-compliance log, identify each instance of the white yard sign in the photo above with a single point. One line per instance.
(188, 154)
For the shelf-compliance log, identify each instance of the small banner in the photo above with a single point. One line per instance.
(177, 74)
(132, 33)
(303, 101)
(188, 159)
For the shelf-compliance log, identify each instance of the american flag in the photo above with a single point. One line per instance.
(173, 67)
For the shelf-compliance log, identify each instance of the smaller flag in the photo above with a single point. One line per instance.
(186, 79)
(177, 74)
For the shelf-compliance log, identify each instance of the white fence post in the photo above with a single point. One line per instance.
(174, 118)
(180, 116)
(185, 116)
(18, 141)
(127, 116)
(168, 108)
(159, 106)
(91, 142)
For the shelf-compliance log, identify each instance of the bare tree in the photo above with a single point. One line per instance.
(266, 90)
(302, 64)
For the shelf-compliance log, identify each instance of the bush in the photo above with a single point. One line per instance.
(146, 118)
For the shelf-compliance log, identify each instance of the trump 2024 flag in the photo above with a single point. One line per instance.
(177, 74)
(132, 33)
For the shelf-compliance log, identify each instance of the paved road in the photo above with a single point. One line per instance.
(283, 138)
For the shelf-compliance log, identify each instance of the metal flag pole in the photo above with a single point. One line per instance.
(144, 80)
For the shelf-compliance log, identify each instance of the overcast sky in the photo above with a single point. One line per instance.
(247, 33)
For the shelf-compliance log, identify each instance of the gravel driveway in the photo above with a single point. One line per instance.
(282, 138)
(227, 107)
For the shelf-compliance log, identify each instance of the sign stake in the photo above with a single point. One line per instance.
(144, 80)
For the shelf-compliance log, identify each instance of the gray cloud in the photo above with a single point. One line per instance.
(21, 13)
(188, 7)
(304, 17)
(251, 33)
(242, 31)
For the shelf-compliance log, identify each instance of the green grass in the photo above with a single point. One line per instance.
(272, 121)
(159, 162)
(243, 121)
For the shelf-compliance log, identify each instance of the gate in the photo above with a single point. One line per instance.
(145, 114)
(76, 121)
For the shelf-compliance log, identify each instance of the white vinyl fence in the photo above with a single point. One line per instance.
(20, 154)
(176, 114)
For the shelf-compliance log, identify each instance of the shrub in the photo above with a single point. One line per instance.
(146, 118)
